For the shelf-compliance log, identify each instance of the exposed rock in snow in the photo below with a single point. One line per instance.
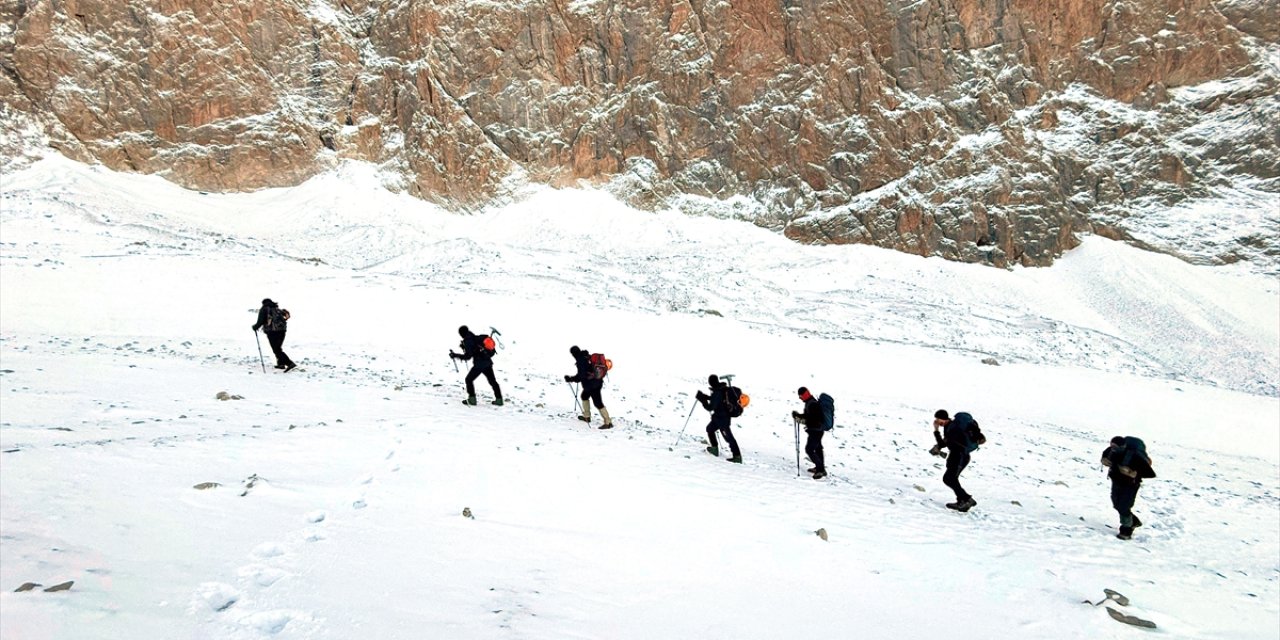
(1130, 620)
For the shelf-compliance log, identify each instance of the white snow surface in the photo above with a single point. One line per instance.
(123, 311)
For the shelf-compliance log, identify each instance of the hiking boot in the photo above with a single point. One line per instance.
(954, 505)
(584, 419)
(497, 402)
(818, 475)
(713, 451)
(471, 400)
(737, 459)
(813, 469)
(279, 366)
(290, 367)
(1136, 522)
(966, 505)
(607, 425)
(1126, 533)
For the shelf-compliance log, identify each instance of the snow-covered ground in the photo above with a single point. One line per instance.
(126, 307)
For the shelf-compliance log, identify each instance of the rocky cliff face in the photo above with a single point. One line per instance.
(990, 131)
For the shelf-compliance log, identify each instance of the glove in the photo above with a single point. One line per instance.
(795, 415)
(454, 355)
(701, 396)
(254, 327)
(568, 378)
(937, 451)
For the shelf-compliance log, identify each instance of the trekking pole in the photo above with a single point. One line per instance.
(260, 358)
(686, 423)
(574, 390)
(797, 448)
(455, 362)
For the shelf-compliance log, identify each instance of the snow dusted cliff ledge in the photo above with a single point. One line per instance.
(979, 131)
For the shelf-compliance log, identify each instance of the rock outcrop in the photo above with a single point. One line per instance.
(981, 131)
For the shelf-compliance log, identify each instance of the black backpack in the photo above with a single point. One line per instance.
(734, 400)
(277, 319)
(828, 405)
(485, 345)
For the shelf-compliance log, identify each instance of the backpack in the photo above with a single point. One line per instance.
(600, 366)
(972, 433)
(828, 405)
(736, 400)
(1136, 458)
(485, 345)
(277, 319)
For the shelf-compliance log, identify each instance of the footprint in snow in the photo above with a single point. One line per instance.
(317, 516)
(215, 596)
(273, 622)
(261, 575)
(268, 550)
(359, 504)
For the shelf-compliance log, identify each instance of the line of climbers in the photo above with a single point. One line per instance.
(1126, 458)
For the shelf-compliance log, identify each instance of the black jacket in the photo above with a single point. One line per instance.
(262, 315)
(1126, 466)
(473, 349)
(955, 434)
(716, 403)
(812, 417)
(585, 370)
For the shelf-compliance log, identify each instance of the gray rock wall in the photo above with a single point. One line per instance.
(980, 131)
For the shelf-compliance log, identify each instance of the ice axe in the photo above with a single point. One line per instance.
(497, 335)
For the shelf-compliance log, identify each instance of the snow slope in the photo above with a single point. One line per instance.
(123, 312)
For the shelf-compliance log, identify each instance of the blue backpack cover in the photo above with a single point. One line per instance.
(828, 405)
(973, 434)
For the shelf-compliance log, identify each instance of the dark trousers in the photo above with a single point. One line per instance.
(592, 392)
(276, 340)
(1123, 494)
(813, 448)
(723, 428)
(956, 462)
(487, 370)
